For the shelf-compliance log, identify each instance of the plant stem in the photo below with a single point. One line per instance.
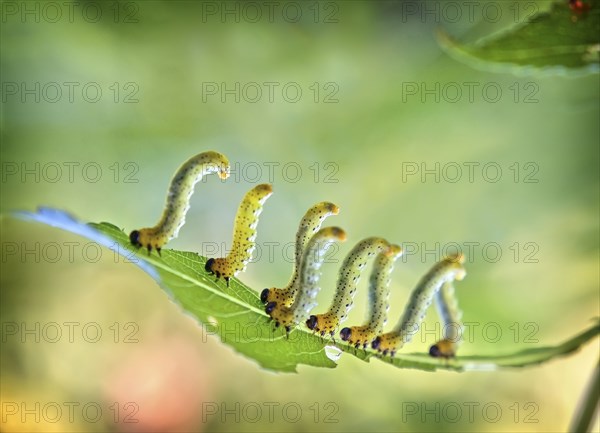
(588, 405)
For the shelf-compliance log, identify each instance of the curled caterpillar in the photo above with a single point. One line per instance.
(379, 293)
(446, 270)
(244, 234)
(450, 314)
(348, 278)
(309, 225)
(308, 286)
(178, 199)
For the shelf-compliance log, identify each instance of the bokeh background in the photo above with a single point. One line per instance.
(352, 141)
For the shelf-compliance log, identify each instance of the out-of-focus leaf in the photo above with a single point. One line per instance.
(237, 316)
(555, 41)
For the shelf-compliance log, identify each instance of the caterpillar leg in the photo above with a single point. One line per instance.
(282, 316)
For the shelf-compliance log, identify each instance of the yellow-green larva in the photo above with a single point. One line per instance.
(348, 278)
(309, 225)
(450, 315)
(379, 293)
(178, 199)
(308, 286)
(244, 234)
(449, 269)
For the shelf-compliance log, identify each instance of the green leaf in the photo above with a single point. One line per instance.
(237, 316)
(559, 40)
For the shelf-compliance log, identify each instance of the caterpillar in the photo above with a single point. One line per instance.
(444, 271)
(292, 304)
(308, 286)
(309, 225)
(450, 314)
(348, 278)
(244, 235)
(379, 293)
(178, 199)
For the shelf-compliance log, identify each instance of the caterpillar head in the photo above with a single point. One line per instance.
(271, 302)
(279, 296)
(270, 307)
(311, 323)
(357, 335)
(134, 238)
(443, 349)
(264, 296)
(323, 324)
(223, 171)
(220, 268)
(208, 267)
(147, 238)
(387, 343)
(216, 162)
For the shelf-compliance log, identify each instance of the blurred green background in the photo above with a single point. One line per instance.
(153, 63)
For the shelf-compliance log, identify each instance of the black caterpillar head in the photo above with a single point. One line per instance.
(134, 238)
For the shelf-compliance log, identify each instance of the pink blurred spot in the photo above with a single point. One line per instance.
(161, 385)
